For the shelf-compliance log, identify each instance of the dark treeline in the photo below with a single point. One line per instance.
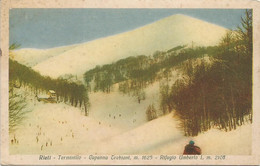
(20, 75)
(134, 73)
(217, 94)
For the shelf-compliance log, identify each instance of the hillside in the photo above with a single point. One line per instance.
(166, 138)
(21, 76)
(31, 57)
(116, 124)
(161, 35)
(141, 95)
(135, 73)
(62, 129)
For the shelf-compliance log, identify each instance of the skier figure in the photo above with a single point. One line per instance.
(191, 149)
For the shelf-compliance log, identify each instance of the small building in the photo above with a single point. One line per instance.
(51, 97)
(52, 94)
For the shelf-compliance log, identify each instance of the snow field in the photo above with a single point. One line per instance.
(123, 110)
(31, 57)
(63, 129)
(60, 129)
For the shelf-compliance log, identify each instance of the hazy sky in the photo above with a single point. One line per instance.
(47, 28)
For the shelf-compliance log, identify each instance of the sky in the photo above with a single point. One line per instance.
(48, 28)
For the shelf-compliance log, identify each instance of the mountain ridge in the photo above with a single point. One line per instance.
(160, 35)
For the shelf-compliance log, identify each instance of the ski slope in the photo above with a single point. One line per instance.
(162, 136)
(63, 129)
(121, 109)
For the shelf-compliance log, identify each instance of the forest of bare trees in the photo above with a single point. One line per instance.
(214, 92)
(219, 94)
(134, 74)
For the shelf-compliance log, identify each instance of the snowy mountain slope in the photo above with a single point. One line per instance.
(161, 35)
(144, 138)
(61, 129)
(31, 57)
(162, 136)
(117, 123)
(123, 110)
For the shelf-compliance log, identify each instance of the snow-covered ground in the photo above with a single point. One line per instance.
(121, 109)
(31, 57)
(63, 129)
(162, 136)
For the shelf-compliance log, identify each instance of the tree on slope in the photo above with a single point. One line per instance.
(17, 111)
(17, 103)
(151, 113)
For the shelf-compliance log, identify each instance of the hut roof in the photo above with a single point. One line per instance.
(52, 91)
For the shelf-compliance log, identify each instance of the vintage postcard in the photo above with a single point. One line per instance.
(136, 82)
